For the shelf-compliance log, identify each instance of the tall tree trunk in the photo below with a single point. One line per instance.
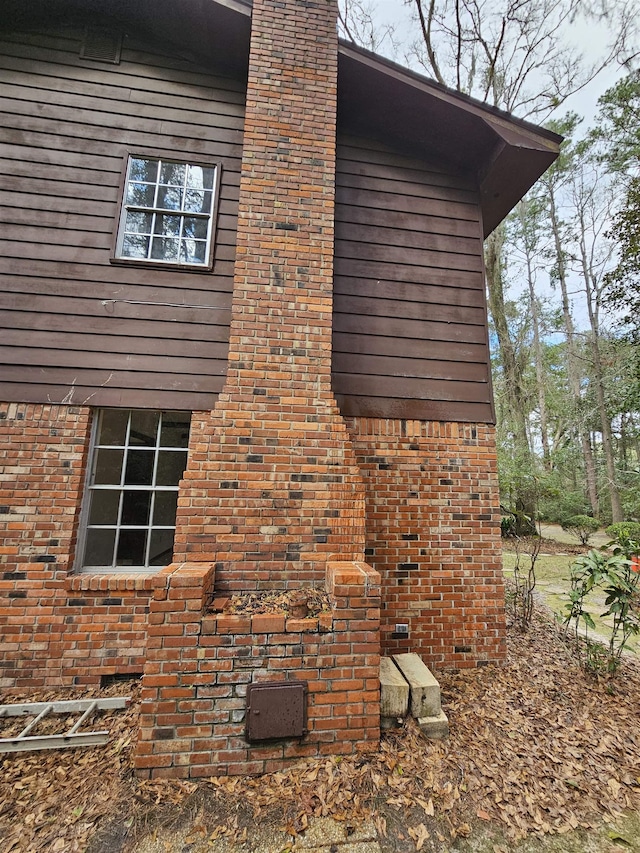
(598, 378)
(528, 227)
(525, 499)
(573, 371)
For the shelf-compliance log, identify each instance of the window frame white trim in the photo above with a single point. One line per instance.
(119, 231)
(90, 488)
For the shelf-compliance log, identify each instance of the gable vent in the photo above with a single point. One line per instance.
(101, 45)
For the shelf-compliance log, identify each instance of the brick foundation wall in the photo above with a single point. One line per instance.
(57, 629)
(433, 533)
(198, 667)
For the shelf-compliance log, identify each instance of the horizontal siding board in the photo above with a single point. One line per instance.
(408, 189)
(118, 326)
(387, 166)
(211, 295)
(410, 222)
(89, 344)
(391, 235)
(387, 200)
(94, 140)
(374, 270)
(409, 368)
(404, 328)
(399, 348)
(391, 254)
(119, 274)
(428, 410)
(156, 363)
(412, 388)
(130, 398)
(408, 291)
(123, 310)
(394, 308)
(43, 101)
(33, 116)
(44, 374)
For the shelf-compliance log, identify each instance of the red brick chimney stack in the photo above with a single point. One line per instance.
(272, 487)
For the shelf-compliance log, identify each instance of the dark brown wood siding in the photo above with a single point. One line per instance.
(410, 328)
(73, 326)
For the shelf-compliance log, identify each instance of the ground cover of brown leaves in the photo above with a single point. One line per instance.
(312, 600)
(536, 747)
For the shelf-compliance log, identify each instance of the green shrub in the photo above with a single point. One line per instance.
(625, 534)
(581, 526)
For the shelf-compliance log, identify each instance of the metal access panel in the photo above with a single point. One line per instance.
(276, 709)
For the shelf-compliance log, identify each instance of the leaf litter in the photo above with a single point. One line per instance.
(536, 747)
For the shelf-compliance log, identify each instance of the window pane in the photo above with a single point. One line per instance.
(197, 202)
(167, 224)
(175, 429)
(113, 427)
(131, 548)
(104, 506)
(143, 170)
(200, 177)
(170, 198)
(139, 470)
(195, 226)
(135, 247)
(108, 467)
(141, 195)
(144, 429)
(171, 465)
(161, 550)
(173, 173)
(165, 249)
(135, 507)
(193, 252)
(99, 548)
(164, 509)
(138, 222)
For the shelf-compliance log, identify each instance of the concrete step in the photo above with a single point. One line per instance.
(424, 689)
(394, 692)
(434, 728)
(406, 683)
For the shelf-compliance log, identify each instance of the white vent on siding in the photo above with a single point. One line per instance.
(102, 45)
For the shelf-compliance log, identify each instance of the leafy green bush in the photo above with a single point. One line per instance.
(581, 526)
(615, 575)
(625, 534)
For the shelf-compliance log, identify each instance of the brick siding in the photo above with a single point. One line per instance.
(433, 533)
(58, 629)
(198, 668)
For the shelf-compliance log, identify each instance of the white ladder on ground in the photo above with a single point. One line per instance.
(73, 737)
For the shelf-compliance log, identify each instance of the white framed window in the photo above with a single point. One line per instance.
(167, 212)
(137, 461)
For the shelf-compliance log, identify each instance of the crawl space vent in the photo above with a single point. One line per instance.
(101, 45)
(276, 710)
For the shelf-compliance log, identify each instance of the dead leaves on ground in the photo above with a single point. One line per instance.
(535, 746)
(53, 800)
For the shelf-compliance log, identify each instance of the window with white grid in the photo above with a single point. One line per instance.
(167, 212)
(137, 461)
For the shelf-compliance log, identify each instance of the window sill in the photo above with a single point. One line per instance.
(101, 582)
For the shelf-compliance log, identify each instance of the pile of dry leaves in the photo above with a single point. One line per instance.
(536, 747)
(309, 601)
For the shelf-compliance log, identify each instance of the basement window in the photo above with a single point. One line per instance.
(167, 213)
(137, 461)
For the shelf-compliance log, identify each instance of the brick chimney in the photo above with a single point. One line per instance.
(272, 489)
